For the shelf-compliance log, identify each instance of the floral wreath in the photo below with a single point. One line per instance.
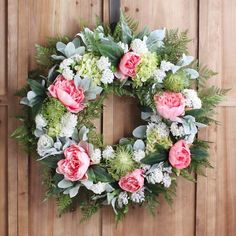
(67, 91)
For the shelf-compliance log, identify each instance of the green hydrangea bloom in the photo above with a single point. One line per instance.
(52, 111)
(122, 163)
(153, 138)
(87, 66)
(176, 82)
(146, 68)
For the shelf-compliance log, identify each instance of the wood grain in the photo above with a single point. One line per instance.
(216, 195)
(121, 116)
(208, 210)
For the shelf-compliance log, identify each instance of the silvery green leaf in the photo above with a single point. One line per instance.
(109, 188)
(193, 73)
(85, 83)
(96, 197)
(24, 101)
(75, 135)
(113, 203)
(74, 191)
(80, 50)
(87, 183)
(60, 47)
(140, 131)
(185, 60)
(58, 145)
(139, 145)
(56, 57)
(77, 80)
(83, 133)
(200, 125)
(146, 115)
(154, 39)
(174, 69)
(38, 133)
(93, 92)
(64, 184)
(31, 95)
(76, 42)
(123, 141)
(69, 49)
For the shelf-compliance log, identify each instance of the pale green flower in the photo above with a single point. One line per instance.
(146, 68)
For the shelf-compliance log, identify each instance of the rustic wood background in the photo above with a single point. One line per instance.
(207, 208)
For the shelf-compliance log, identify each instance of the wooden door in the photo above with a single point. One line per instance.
(207, 208)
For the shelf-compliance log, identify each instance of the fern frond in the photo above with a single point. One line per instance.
(131, 22)
(63, 203)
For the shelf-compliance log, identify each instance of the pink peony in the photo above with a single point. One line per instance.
(179, 155)
(68, 94)
(75, 164)
(128, 64)
(170, 105)
(133, 181)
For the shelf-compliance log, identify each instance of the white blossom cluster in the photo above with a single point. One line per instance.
(45, 143)
(108, 153)
(138, 196)
(160, 74)
(123, 199)
(65, 67)
(68, 124)
(161, 128)
(191, 99)
(138, 155)
(159, 174)
(124, 46)
(40, 121)
(96, 156)
(103, 65)
(139, 46)
(177, 129)
(98, 188)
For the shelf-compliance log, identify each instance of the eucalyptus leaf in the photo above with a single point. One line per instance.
(139, 145)
(140, 131)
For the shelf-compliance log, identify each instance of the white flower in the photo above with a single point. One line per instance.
(123, 199)
(103, 63)
(66, 63)
(138, 155)
(98, 188)
(145, 167)
(155, 118)
(166, 180)
(107, 76)
(124, 46)
(108, 152)
(68, 124)
(68, 73)
(192, 99)
(40, 121)
(139, 46)
(161, 128)
(96, 156)
(159, 75)
(166, 65)
(138, 196)
(155, 176)
(177, 130)
(45, 143)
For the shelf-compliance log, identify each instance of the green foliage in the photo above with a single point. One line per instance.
(160, 154)
(88, 209)
(98, 173)
(64, 203)
(175, 45)
(44, 53)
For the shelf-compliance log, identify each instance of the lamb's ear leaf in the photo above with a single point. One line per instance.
(140, 131)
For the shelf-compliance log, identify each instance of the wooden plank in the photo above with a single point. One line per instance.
(52, 18)
(168, 221)
(3, 171)
(216, 205)
(12, 38)
(3, 51)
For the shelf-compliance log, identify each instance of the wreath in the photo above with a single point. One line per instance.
(67, 91)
